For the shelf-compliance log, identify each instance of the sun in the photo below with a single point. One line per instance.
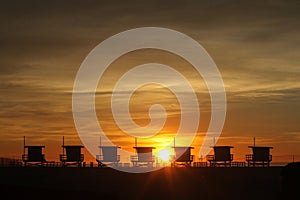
(164, 155)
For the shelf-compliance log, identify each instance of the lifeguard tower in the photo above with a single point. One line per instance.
(33, 155)
(183, 156)
(143, 156)
(221, 157)
(260, 156)
(108, 156)
(71, 155)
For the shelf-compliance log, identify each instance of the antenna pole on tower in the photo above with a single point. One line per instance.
(174, 142)
(100, 145)
(24, 144)
(63, 145)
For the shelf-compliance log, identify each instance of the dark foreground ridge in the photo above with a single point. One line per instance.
(168, 183)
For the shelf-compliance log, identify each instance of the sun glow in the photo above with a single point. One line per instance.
(164, 155)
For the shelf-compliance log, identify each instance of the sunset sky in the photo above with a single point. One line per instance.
(255, 44)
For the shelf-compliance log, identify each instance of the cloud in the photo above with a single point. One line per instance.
(254, 44)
